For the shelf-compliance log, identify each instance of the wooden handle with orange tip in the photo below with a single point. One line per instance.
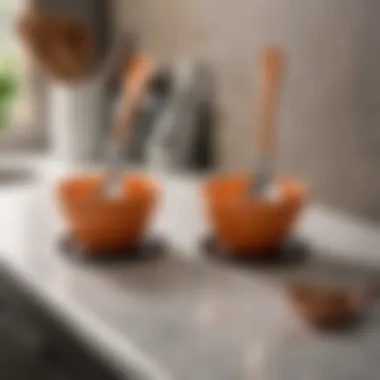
(135, 83)
(136, 79)
(271, 71)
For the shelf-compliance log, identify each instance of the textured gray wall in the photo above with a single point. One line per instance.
(330, 114)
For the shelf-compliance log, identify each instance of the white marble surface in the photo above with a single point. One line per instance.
(185, 318)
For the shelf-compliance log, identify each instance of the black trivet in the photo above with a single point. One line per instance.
(292, 251)
(149, 248)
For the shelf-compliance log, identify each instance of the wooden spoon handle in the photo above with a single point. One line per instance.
(136, 80)
(270, 80)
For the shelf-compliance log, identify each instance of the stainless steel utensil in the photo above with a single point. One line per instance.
(175, 133)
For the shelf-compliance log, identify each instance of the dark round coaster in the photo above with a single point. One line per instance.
(346, 325)
(293, 251)
(150, 248)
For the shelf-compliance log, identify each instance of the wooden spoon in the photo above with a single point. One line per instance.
(271, 70)
(135, 80)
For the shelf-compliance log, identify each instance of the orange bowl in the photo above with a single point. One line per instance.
(101, 224)
(241, 223)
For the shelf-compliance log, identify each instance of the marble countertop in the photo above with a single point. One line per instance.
(182, 316)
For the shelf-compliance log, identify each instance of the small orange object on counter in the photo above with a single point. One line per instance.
(107, 223)
(243, 223)
(329, 306)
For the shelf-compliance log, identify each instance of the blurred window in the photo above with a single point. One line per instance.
(18, 81)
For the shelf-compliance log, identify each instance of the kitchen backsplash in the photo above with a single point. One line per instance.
(330, 111)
